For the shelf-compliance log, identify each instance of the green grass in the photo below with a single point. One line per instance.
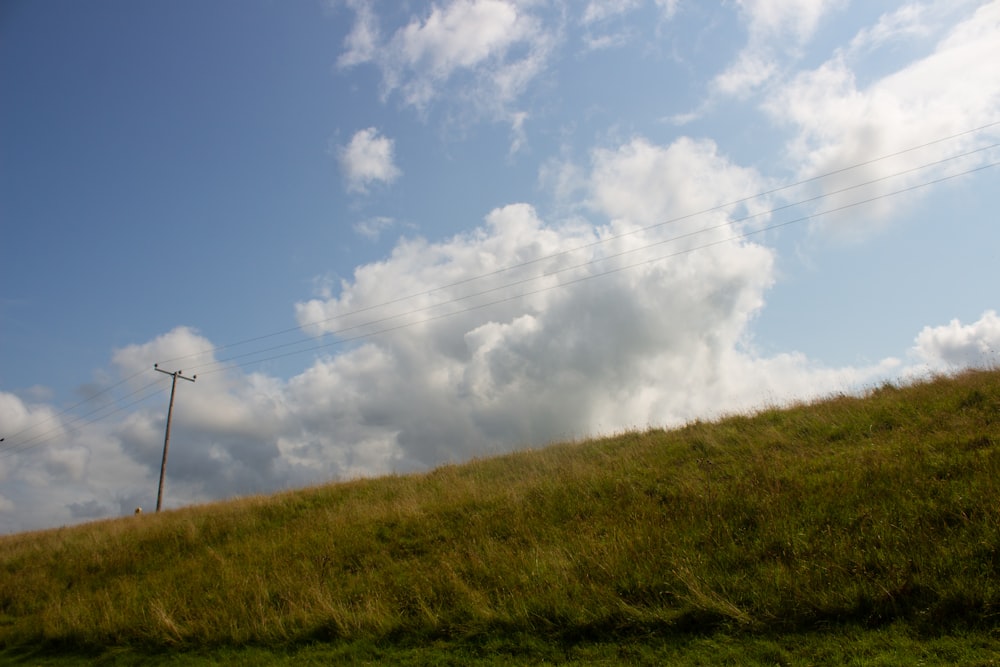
(850, 531)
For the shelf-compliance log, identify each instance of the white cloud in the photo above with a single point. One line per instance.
(480, 54)
(558, 363)
(368, 158)
(839, 123)
(955, 345)
(686, 177)
(462, 35)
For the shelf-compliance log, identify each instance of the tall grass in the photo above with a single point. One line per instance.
(850, 512)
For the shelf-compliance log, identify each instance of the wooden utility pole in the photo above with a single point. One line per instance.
(166, 438)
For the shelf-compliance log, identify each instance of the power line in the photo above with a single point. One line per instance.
(608, 239)
(40, 439)
(88, 399)
(370, 323)
(223, 364)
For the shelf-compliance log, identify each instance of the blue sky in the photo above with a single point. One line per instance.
(389, 235)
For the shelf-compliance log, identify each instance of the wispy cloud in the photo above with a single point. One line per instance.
(604, 25)
(913, 20)
(840, 123)
(775, 30)
(600, 10)
(361, 44)
(372, 228)
(478, 56)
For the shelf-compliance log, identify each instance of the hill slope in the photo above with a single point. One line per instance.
(851, 512)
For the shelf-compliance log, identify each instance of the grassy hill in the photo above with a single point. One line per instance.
(849, 531)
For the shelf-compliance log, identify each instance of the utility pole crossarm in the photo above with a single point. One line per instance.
(170, 414)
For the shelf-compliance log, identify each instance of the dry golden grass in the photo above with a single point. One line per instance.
(849, 512)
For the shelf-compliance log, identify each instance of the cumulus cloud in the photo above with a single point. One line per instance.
(366, 159)
(234, 433)
(688, 165)
(840, 123)
(595, 328)
(60, 469)
(461, 35)
(234, 417)
(955, 345)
